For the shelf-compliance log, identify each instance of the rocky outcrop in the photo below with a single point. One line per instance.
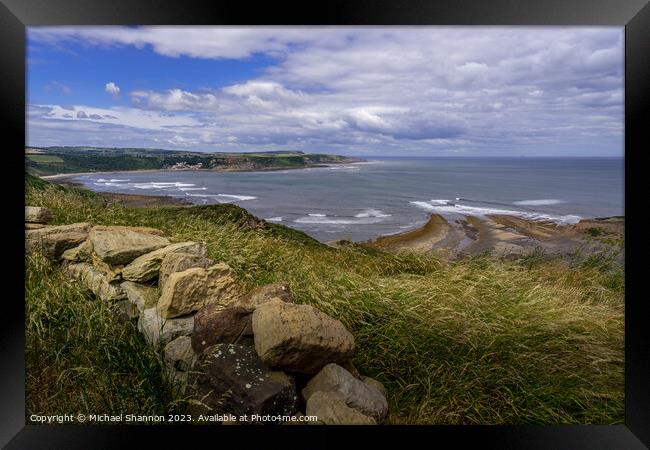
(190, 290)
(216, 325)
(232, 379)
(178, 262)
(299, 338)
(52, 241)
(358, 395)
(146, 267)
(37, 214)
(226, 352)
(116, 246)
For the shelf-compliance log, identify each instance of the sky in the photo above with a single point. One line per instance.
(366, 91)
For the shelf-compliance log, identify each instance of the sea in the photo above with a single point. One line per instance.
(389, 195)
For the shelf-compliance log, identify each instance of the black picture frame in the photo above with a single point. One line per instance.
(15, 15)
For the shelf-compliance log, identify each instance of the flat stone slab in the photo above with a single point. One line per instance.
(146, 267)
(54, 240)
(121, 246)
(96, 282)
(141, 296)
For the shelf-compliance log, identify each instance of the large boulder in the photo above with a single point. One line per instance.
(146, 267)
(178, 262)
(159, 332)
(54, 240)
(232, 379)
(141, 296)
(96, 282)
(331, 409)
(190, 290)
(37, 214)
(179, 354)
(299, 338)
(216, 325)
(117, 246)
(356, 394)
(264, 294)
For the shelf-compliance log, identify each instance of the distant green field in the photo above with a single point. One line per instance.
(45, 158)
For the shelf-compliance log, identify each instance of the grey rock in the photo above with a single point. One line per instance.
(179, 354)
(356, 394)
(140, 295)
(96, 282)
(331, 409)
(158, 331)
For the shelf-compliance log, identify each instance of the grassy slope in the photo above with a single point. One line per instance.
(479, 341)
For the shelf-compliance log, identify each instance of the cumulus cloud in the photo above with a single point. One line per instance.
(387, 90)
(112, 89)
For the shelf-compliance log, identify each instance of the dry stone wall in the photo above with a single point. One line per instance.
(231, 352)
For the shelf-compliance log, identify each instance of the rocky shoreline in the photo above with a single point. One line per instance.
(504, 236)
(232, 353)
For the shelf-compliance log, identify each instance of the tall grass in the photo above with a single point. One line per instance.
(79, 357)
(481, 340)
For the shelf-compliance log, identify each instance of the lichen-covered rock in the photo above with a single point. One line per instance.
(190, 290)
(37, 214)
(96, 282)
(331, 409)
(140, 295)
(232, 379)
(146, 267)
(80, 253)
(116, 245)
(159, 331)
(54, 240)
(299, 338)
(179, 354)
(264, 294)
(356, 394)
(216, 325)
(178, 262)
